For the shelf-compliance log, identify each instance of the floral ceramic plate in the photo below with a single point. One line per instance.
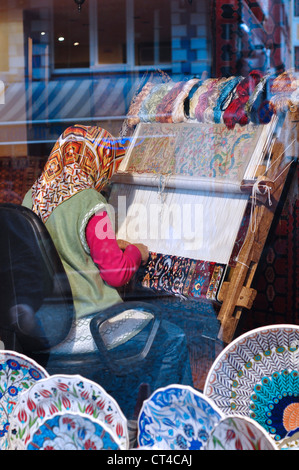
(239, 433)
(17, 373)
(176, 417)
(257, 375)
(70, 431)
(65, 393)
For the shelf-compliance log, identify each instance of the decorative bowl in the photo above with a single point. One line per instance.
(176, 417)
(239, 433)
(73, 431)
(17, 374)
(61, 394)
(257, 375)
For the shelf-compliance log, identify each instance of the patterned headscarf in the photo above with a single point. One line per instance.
(82, 158)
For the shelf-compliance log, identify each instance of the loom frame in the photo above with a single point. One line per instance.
(237, 293)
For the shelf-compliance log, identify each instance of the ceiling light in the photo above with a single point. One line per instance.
(61, 38)
(79, 3)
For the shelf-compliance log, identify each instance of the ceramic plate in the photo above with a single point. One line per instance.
(239, 433)
(65, 393)
(73, 431)
(17, 373)
(290, 443)
(257, 376)
(176, 417)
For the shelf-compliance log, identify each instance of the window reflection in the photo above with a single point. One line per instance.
(70, 35)
(152, 32)
(111, 31)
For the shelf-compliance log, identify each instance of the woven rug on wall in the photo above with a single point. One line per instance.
(267, 28)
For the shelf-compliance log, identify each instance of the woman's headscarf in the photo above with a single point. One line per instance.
(83, 157)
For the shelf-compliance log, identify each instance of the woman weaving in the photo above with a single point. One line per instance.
(68, 200)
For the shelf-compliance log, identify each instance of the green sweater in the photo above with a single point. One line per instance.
(66, 225)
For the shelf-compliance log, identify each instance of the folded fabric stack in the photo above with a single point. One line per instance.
(233, 100)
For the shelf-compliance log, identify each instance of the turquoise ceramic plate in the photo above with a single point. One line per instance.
(70, 431)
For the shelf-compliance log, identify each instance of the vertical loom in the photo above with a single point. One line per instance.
(221, 203)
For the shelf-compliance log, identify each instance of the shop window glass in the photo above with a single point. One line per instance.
(60, 67)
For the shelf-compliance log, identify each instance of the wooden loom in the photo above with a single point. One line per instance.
(236, 292)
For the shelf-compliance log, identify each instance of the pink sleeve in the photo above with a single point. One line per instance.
(116, 267)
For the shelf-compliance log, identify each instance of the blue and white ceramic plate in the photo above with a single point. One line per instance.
(257, 375)
(73, 431)
(177, 417)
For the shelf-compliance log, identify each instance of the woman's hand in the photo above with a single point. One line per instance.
(123, 244)
(144, 252)
(141, 247)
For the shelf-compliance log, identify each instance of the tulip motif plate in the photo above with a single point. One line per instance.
(239, 433)
(17, 373)
(70, 431)
(65, 393)
(176, 417)
(257, 376)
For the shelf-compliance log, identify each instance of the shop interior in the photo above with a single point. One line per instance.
(149, 219)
